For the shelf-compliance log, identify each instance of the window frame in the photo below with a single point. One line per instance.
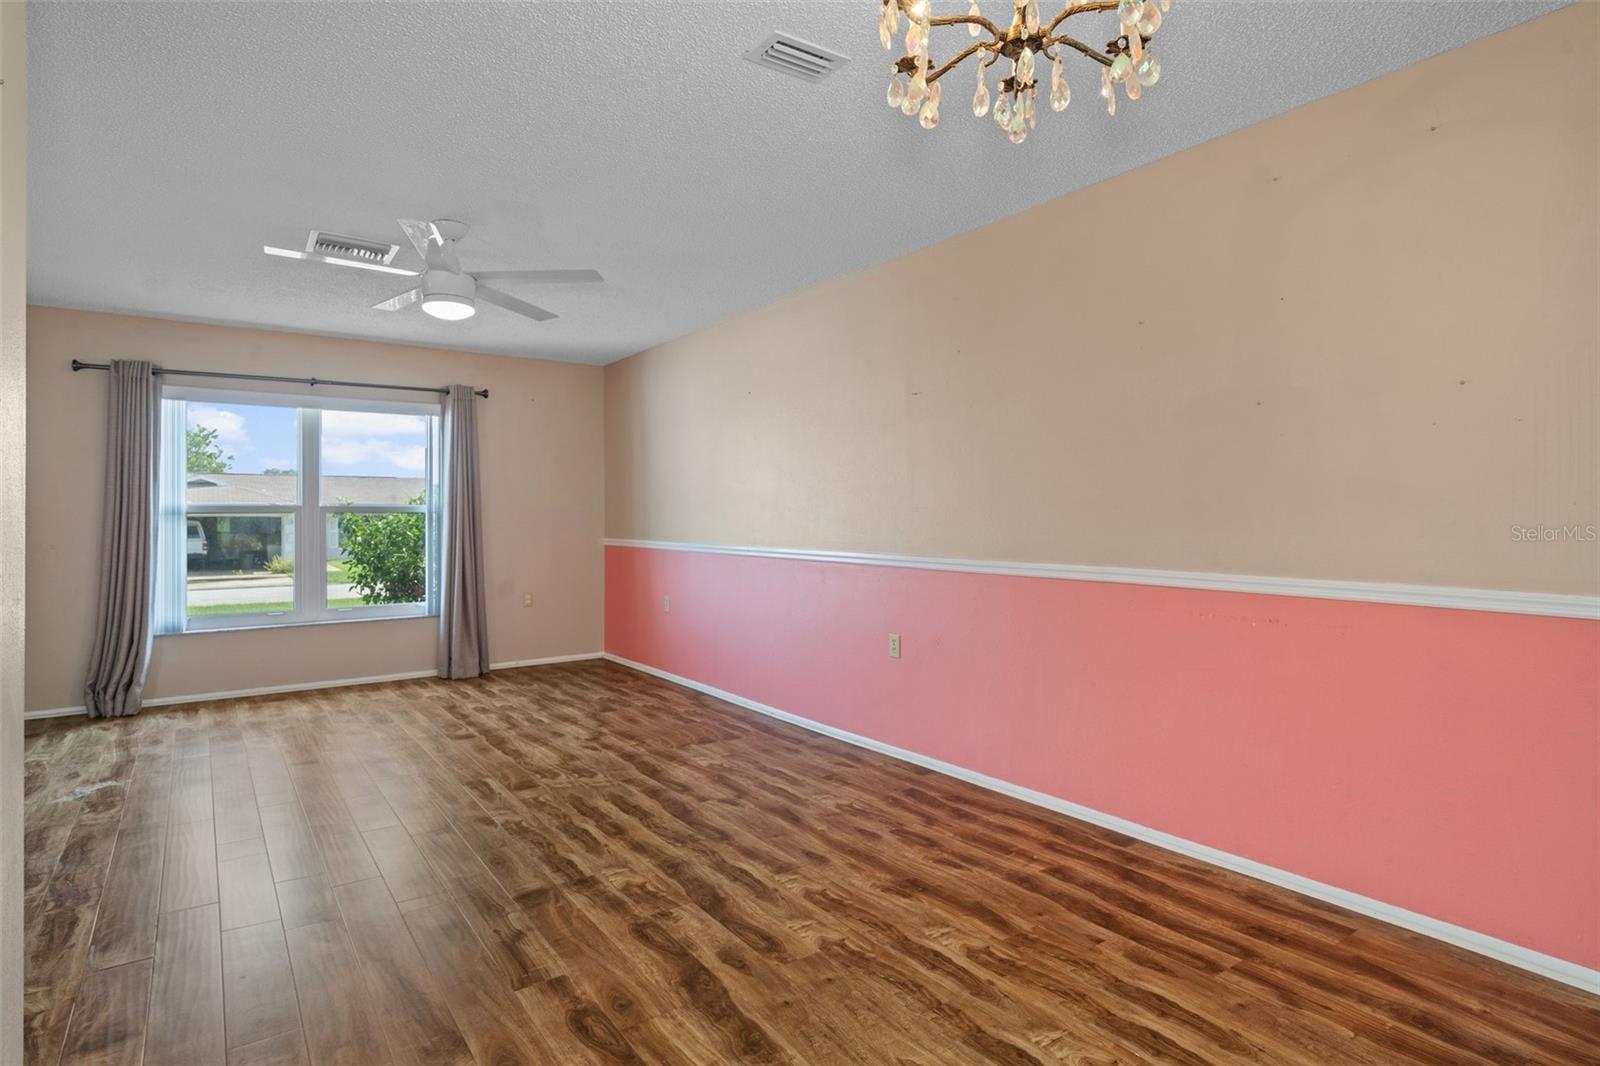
(311, 513)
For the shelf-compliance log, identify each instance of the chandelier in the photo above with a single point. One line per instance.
(917, 86)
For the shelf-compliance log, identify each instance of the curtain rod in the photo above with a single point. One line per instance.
(77, 365)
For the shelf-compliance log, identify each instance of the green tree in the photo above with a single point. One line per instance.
(386, 555)
(205, 454)
(276, 470)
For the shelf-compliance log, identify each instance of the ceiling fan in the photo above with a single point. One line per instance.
(446, 291)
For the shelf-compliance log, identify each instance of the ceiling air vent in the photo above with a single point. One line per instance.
(321, 242)
(796, 58)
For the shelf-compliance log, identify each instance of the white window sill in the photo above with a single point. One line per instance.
(298, 624)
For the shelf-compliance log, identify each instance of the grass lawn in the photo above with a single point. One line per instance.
(338, 574)
(265, 608)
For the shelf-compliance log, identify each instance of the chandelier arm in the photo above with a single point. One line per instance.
(955, 20)
(1071, 42)
(1078, 9)
(962, 56)
(971, 20)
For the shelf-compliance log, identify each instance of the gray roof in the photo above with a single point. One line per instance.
(211, 489)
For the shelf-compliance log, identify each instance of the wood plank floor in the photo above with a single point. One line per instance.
(580, 864)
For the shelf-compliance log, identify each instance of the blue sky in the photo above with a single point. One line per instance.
(353, 442)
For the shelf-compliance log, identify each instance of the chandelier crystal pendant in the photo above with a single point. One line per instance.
(1026, 43)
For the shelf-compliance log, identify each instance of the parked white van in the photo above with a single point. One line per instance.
(197, 538)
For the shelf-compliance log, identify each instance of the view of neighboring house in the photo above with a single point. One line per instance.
(250, 540)
(211, 489)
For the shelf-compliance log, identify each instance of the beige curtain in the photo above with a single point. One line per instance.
(463, 634)
(121, 654)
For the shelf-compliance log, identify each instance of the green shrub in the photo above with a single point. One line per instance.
(279, 565)
(385, 555)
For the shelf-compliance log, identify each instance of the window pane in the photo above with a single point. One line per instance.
(376, 558)
(240, 564)
(242, 454)
(373, 459)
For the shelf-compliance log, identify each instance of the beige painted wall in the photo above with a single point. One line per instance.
(1359, 341)
(13, 328)
(540, 440)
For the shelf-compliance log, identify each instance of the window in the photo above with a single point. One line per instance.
(277, 510)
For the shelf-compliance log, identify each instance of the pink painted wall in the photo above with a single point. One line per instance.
(1443, 761)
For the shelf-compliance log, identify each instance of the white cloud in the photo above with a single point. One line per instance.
(337, 424)
(228, 424)
(368, 438)
(353, 451)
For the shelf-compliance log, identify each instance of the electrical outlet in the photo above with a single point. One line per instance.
(894, 645)
(666, 605)
(527, 599)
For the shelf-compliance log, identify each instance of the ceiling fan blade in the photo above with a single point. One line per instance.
(314, 257)
(538, 275)
(511, 303)
(419, 232)
(401, 302)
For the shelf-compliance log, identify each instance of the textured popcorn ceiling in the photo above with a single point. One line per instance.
(171, 140)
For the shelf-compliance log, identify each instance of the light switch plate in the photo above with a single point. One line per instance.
(894, 645)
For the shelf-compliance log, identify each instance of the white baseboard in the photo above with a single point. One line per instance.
(265, 690)
(549, 660)
(306, 686)
(1569, 973)
(55, 712)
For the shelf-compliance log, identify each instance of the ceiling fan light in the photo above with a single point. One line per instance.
(449, 296)
(447, 307)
